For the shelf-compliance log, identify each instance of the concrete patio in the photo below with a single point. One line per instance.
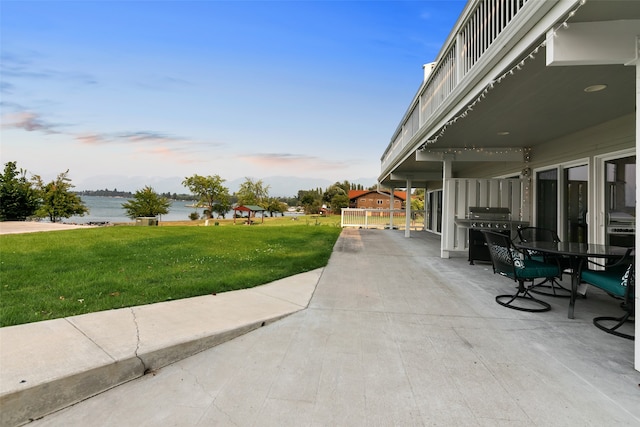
(393, 336)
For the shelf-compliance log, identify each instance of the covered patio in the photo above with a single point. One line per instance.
(530, 106)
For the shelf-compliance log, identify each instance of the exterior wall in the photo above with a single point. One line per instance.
(376, 201)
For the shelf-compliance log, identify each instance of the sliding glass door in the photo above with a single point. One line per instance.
(547, 199)
(576, 203)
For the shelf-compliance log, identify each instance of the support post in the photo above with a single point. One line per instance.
(447, 209)
(424, 221)
(391, 206)
(407, 211)
(637, 302)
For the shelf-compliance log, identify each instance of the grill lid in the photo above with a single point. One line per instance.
(489, 213)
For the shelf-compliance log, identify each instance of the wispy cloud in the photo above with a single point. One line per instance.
(26, 66)
(29, 122)
(6, 88)
(147, 136)
(294, 161)
(150, 143)
(91, 138)
(156, 83)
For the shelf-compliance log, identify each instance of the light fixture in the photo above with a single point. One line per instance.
(595, 88)
(503, 133)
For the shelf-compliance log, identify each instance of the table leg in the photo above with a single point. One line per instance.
(575, 282)
(575, 278)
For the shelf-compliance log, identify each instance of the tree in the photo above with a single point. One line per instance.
(310, 200)
(336, 196)
(338, 202)
(211, 193)
(57, 199)
(253, 193)
(417, 201)
(222, 207)
(18, 199)
(275, 205)
(146, 203)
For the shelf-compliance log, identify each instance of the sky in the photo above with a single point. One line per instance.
(134, 93)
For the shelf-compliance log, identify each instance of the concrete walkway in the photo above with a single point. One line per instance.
(18, 227)
(393, 336)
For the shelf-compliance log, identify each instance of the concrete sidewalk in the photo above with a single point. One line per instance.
(19, 227)
(49, 365)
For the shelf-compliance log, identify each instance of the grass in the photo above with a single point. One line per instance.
(64, 273)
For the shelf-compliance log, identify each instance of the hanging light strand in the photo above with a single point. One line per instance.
(510, 72)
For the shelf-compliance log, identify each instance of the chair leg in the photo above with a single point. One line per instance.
(554, 289)
(523, 295)
(613, 329)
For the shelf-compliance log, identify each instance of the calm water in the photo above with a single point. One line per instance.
(109, 209)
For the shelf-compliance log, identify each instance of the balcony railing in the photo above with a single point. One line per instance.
(477, 33)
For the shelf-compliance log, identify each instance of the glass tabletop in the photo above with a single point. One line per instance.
(575, 249)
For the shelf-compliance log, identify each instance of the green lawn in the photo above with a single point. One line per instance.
(63, 273)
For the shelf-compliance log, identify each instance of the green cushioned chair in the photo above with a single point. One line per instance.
(548, 286)
(619, 283)
(509, 262)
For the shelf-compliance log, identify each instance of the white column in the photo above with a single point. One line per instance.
(391, 206)
(447, 211)
(407, 211)
(424, 225)
(637, 342)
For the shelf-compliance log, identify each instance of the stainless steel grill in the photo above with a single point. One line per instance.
(621, 223)
(486, 218)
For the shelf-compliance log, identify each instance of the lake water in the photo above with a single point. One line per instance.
(109, 209)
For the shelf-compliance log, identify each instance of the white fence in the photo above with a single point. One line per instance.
(378, 218)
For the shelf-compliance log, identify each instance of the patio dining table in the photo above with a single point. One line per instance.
(577, 253)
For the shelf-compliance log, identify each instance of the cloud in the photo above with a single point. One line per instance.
(147, 142)
(147, 136)
(91, 138)
(295, 161)
(30, 122)
(24, 66)
(150, 143)
(6, 88)
(156, 82)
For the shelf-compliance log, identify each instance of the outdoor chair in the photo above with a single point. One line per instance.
(548, 286)
(510, 262)
(617, 280)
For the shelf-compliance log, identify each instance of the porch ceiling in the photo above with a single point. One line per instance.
(538, 103)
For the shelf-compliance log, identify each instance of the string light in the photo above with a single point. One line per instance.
(491, 84)
(479, 150)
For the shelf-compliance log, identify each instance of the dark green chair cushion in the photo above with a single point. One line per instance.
(610, 281)
(532, 269)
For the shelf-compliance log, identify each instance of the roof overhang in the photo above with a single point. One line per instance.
(543, 99)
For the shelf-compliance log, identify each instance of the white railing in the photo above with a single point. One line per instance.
(379, 218)
(473, 37)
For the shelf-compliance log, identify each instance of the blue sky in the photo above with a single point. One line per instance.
(132, 92)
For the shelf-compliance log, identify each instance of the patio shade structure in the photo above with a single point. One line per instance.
(250, 209)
